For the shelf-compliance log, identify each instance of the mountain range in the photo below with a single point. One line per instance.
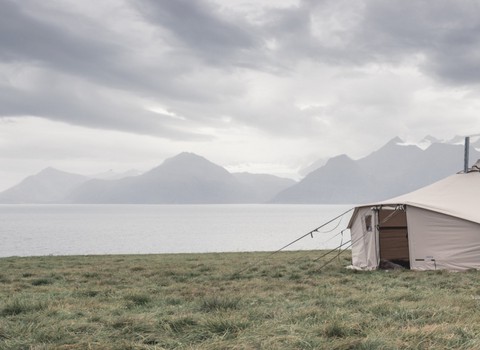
(48, 186)
(187, 178)
(184, 179)
(394, 169)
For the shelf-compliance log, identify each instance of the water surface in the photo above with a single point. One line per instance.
(28, 230)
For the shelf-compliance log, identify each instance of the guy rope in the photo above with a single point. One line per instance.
(310, 233)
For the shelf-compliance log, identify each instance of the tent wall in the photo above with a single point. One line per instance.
(364, 239)
(439, 241)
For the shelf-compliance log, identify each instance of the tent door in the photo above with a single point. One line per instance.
(393, 236)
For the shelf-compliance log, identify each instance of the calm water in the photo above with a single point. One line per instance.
(130, 229)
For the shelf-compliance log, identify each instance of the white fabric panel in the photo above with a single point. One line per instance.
(442, 241)
(364, 242)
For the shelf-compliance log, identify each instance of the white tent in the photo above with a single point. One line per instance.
(435, 227)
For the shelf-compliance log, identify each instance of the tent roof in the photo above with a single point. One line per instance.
(457, 195)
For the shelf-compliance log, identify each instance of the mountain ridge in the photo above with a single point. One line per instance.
(184, 179)
(50, 185)
(187, 178)
(394, 169)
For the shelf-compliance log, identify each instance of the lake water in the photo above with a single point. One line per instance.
(28, 230)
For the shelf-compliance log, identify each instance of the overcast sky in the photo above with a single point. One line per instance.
(253, 85)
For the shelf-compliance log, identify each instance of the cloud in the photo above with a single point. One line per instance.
(320, 77)
(43, 93)
(26, 38)
(205, 61)
(441, 37)
(199, 28)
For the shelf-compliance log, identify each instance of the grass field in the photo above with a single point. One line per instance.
(198, 302)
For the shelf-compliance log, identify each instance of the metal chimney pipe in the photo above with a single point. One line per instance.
(466, 156)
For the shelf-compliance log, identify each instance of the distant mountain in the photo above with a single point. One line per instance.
(456, 140)
(475, 143)
(113, 175)
(394, 169)
(186, 178)
(341, 180)
(424, 143)
(313, 166)
(261, 188)
(48, 186)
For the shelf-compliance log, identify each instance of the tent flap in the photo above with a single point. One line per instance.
(364, 240)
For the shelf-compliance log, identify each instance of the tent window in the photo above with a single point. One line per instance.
(368, 223)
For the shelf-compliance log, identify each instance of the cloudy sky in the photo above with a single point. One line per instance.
(253, 85)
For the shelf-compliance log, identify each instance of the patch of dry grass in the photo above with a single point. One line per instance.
(196, 301)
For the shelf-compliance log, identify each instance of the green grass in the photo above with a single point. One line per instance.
(198, 301)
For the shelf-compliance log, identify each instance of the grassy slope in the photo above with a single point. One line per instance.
(195, 302)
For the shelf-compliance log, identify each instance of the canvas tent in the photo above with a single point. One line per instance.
(435, 227)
